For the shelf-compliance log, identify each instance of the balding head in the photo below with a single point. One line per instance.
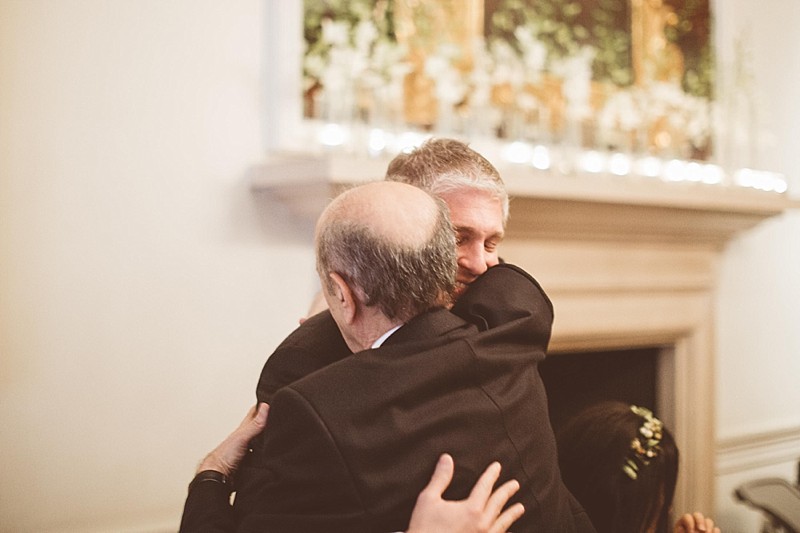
(392, 243)
(396, 212)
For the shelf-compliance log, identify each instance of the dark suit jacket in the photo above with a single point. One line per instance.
(315, 344)
(349, 446)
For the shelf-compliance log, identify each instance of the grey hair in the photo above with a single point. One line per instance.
(403, 281)
(445, 165)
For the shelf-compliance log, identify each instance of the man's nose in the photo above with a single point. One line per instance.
(474, 261)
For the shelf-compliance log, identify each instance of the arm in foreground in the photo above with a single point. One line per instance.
(482, 512)
(226, 457)
(207, 506)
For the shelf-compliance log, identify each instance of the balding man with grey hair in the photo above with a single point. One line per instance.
(385, 254)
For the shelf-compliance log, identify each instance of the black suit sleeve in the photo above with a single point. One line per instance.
(315, 344)
(503, 294)
(207, 509)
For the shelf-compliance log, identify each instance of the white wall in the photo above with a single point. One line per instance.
(758, 391)
(141, 284)
(760, 291)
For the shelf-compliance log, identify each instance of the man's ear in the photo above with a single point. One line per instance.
(345, 296)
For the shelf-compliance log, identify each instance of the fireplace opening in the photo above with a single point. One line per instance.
(575, 380)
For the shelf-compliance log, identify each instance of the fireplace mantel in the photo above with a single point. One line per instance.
(627, 262)
(548, 206)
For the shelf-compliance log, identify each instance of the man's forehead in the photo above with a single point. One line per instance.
(468, 230)
(475, 209)
(470, 197)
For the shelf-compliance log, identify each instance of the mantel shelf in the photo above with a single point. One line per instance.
(548, 205)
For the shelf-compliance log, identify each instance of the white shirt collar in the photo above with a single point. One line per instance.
(382, 338)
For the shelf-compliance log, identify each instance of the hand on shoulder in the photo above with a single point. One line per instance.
(481, 512)
(225, 458)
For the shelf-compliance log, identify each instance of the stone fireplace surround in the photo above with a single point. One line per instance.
(628, 263)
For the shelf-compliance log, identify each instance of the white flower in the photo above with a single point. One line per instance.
(398, 71)
(620, 111)
(450, 88)
(366, 34)
(314, 64)
(698, 127)
(335, 33)
(387, 58)
(527, 102)
(503, 53)
(576, 71)
(534, 52)
(435, 65)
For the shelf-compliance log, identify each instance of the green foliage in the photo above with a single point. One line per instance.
(692, 36)
(380, 12)
(565, 27)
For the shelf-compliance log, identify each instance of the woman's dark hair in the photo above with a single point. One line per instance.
(594, 448)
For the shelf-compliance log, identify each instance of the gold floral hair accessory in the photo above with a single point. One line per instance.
(644, 446)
